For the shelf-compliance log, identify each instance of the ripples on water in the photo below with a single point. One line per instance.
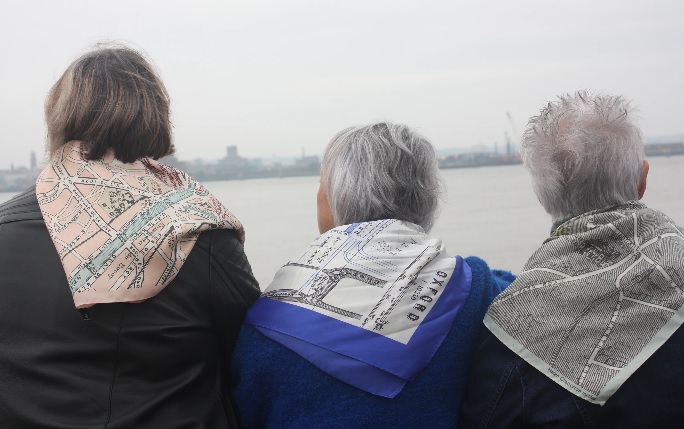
(490, 212)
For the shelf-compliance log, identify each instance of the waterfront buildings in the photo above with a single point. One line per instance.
(234, 167)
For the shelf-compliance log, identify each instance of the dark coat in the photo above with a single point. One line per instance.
(158, 364)
(506, 392)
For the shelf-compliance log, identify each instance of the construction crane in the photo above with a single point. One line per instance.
(516, 134)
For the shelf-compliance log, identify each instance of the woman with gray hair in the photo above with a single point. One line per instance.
(374, 317)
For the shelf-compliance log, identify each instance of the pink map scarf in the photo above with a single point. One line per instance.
(123, 231)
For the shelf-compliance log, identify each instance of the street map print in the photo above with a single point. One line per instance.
(122, 231)
(596, 300)
(383, 276)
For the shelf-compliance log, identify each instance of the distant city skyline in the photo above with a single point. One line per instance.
(232, 166)
(276, 78)
(33, 160)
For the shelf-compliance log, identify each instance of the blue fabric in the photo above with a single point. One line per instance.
(360, 357)
(351, 371)
(275, 387)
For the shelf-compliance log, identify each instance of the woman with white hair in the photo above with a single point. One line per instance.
(374, 324)
(589, 334)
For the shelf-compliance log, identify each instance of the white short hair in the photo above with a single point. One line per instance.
(381, 171)
(584, 152)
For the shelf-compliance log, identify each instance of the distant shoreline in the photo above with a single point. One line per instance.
(23, 178)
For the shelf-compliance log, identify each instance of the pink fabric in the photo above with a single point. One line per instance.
(123, 231)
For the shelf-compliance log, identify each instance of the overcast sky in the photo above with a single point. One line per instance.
(278, 77)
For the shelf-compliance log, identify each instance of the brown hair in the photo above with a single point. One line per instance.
(110, 98)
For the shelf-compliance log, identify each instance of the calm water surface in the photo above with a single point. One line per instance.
(490, 212)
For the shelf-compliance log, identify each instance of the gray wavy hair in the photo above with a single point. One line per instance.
(584, 152)
(381, 171)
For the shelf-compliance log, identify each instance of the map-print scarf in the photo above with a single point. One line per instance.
(123, 231)
(596, 300)
(368, 303)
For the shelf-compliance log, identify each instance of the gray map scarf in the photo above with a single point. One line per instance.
(596, 300)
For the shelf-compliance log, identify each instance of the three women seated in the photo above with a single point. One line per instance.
(373, 325)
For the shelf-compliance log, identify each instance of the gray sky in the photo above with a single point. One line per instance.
(276, 77)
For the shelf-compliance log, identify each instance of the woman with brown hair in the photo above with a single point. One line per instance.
(153, 263)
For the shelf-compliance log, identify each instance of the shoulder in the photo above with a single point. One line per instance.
(219, 240)
(23, 206)
(485, 286)
(491, 282)
(228, 264)
(223, 248)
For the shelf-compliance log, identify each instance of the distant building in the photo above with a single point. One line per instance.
(17, 179)
(477, 159)
(308, 163)
(233, 165)
(232, 152)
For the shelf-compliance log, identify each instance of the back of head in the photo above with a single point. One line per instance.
(584, 152)
(381, 171)
(110, 98)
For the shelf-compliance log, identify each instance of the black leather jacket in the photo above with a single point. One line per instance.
(159, 364)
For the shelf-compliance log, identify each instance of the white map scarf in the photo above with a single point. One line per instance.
(368, 303)
(596, 300)
(123, 231)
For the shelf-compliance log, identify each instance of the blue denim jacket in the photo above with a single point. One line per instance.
(504, 391)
